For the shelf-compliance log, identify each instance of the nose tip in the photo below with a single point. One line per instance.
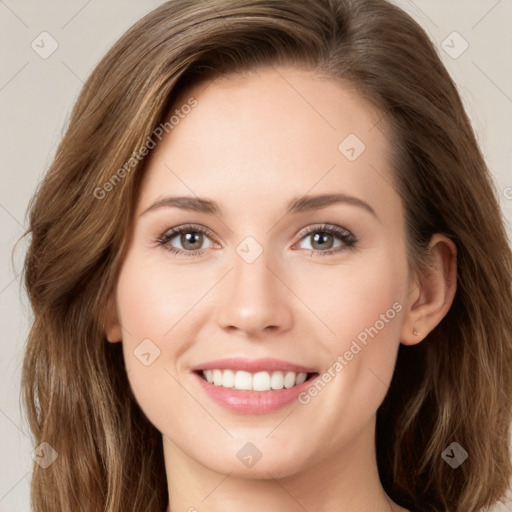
(254, 301)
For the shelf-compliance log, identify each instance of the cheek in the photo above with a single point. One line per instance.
(159, 310)
(154, 296)
(362, 307)
(146, 312)
(358, 298)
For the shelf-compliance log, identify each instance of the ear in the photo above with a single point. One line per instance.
(432, 292)
(112, 325)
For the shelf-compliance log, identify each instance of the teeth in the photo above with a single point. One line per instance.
(228, 379)
(243, 380)
(217, 377)
(277, 380)
(301, 377)
(260, 381)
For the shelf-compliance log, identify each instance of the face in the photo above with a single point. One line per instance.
(291, 265)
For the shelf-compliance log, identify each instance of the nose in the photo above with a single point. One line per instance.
(255, 301)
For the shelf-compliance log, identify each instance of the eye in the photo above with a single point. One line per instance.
(190, 239)
(322, 239)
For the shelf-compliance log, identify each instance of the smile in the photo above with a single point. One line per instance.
(260, 381)
(253, 386)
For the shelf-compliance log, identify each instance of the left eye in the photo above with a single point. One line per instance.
(322, 239)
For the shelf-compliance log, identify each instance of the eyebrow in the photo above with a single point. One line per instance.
(296, 205)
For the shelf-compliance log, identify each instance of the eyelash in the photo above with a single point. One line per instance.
(344, 235)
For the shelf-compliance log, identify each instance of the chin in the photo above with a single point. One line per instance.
(272, 464)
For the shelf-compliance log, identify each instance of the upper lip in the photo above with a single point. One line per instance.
(253, 365)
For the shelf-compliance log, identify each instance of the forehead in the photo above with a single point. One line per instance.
(267, 135)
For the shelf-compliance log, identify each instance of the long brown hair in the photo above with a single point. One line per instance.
(452, 387)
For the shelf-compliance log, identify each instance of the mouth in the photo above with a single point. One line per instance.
(253, 386)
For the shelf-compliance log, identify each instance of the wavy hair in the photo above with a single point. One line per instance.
(453, 387)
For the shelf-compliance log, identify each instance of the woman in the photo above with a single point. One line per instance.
(268, 270)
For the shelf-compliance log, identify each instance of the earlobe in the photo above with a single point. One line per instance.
(112, 325)
(434, 294)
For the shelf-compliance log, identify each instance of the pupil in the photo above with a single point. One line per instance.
(321, 238)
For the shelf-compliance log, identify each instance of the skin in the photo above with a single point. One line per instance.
(253, 143)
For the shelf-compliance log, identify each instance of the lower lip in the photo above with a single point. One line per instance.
(252, 402)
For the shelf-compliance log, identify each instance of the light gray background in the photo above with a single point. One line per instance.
(36, 96)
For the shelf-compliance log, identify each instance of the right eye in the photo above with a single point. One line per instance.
(190, 237)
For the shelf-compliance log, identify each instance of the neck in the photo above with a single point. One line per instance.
(347, 480)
